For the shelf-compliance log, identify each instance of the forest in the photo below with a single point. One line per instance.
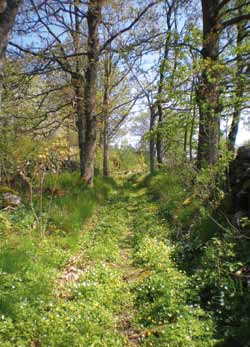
(124, 173)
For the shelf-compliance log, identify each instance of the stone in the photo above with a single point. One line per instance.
(240, 187)
(70, 165)
(10, 200)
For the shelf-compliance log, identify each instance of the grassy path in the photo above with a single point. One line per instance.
(127, 281)
(121, 288)
(113, 235)
(105, 274)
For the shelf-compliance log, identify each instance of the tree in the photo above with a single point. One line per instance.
(208, 91)
(170, 8)
(93, 19)
(117, 101)
(73, 45)
(215, 20)
(8, 12)
(78, 83)
(241, 67)
(105, 115)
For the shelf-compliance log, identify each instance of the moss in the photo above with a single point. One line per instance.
(5, 189)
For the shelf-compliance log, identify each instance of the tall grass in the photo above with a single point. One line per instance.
(75, 202)
(29, 263)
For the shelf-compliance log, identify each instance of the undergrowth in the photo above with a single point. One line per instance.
(155, 261)
(31, 314)
(207, 248)
(167, 305)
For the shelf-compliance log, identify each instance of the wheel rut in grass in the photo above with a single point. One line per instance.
(132, 273)
(106, 270)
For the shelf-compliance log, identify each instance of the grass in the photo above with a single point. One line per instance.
(30, 264)
(115, 279)
(75, 203)
(209, 254)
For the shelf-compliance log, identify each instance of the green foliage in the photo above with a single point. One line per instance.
(70, 203)
(207, 247)
(192, 329)
(153, 254)
(4, 189)
(68, 287)
(31, 311)
(168, 189)
(164, 296)
(126, 159)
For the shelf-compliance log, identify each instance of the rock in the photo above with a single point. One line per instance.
(240, 187)
(10, 200)
(70, 165)
(18, 182)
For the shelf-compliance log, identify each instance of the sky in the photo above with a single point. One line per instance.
(243, 133)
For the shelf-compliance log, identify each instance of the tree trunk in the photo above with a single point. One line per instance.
(107, 73)
(191, 134)
(106, 170)
(239, 89)
(185, 138)
(159, 145)
(93, 18)
(8, 12)
(78, 85)
(80, 119)
(152, 140)
(208, 90)
(192, 111)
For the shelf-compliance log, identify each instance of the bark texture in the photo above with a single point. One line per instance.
(152, 147)
(93, 19)
(208, 90)
(8, 12)
(106, 113)
(208, 93)
(78, 85)
(106, 169)
(159, 144)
